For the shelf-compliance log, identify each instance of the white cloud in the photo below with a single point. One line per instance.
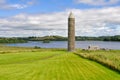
(92, 22)
(98, 2)
(5, 5)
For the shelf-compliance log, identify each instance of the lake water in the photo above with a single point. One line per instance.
(63, 44)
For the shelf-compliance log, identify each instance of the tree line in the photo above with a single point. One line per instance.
(12, 40)
(78, 38)
(100, 38)
(58, 38)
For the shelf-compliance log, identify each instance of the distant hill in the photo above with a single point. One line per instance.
(58, 38)
(78, 38)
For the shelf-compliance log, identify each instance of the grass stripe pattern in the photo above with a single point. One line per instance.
(52, 65)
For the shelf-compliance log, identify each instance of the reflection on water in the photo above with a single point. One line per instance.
(63, 44)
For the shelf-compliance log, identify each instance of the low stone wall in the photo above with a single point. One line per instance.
(93, 48)
(96, 48)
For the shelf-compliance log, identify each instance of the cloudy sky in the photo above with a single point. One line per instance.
(22, 18)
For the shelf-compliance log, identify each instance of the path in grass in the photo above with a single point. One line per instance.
(63, 66)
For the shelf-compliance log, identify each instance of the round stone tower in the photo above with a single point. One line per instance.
(71, 32)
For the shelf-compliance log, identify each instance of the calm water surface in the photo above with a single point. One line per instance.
(63, 44)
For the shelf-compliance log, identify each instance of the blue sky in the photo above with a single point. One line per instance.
(21, 18)
(47, 6)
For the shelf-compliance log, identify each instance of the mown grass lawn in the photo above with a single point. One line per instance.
(51, 65)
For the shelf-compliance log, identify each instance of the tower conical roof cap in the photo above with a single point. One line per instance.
(71, 15)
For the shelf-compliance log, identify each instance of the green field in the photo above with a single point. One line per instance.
(49, 64)
(110, 58)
